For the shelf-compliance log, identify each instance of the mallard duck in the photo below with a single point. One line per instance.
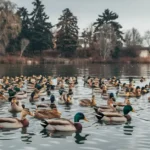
(21, 95)
(51, 105)
(47, 114)
(87, 102)
(115, 117)
(14, 123)
(68, 100)
(142, 79)
(105, 108)
(34, 96)
(15, 106)
(2, 97)
(64, 124)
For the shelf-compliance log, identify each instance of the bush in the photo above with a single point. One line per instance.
(132, 51)
(84, 53)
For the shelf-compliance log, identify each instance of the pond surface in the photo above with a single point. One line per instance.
(95, 136)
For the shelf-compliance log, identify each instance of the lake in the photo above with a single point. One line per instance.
(95, 136)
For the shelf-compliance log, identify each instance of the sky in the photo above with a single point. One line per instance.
(132, 13)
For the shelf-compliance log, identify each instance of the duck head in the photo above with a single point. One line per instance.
(111, 95)
(79, 116)
(93, 101)
(127, 108)
(25, 112)
(52, 98)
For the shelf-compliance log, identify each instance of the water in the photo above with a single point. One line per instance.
(95, 136)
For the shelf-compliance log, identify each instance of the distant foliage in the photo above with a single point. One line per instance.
(67, 35)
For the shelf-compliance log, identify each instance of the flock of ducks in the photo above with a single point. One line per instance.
(15, 89)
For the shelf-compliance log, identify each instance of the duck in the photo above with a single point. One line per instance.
(65, 125)
(15, 123)
(115, 117)
(2, 97)
(15, 106)
(142, 79)
(21, 95)
(47, 113)
(34, 96)
(87, 102)
(65, 99)
(44, 105)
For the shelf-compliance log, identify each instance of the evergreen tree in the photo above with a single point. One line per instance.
(36, 28)
(67, 35)
(41, 36)
(26, 23)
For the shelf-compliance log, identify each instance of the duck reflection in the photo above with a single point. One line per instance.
(26, 137)
(14, 115)
(56, 134)
(67, 107)
(80, 139)
(128, 130)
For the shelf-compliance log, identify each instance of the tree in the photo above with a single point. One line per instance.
(41, 36)
(67, 35)
(87, 36)
(36, 28)
(10, 24)
(26, 23)
(133, 38)
(24, 44)
(147, 38)
(107, 33)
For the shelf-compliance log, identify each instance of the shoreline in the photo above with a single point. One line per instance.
(50, 60)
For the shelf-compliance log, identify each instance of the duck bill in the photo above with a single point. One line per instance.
(13, 101)
(86, 119)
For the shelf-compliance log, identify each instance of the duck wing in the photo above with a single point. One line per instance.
(10, 123)
(47, 114)
(43, 105)
(8, 120)
(85, 101)
(59, 124)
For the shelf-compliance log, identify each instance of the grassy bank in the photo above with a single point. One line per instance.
(123, 60)
(50, 60)
(18, 60)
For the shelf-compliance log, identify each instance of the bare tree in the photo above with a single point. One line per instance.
(87, 36)
(54, 32)
(147, 38)
(108, 32)
(106, 40)
(133, 38)
(24, 44)
(10, 24)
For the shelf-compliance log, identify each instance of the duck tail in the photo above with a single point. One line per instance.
(96, 109)
(99, 115)
(44, 123)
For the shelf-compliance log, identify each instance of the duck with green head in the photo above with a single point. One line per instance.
(62, 124)
(114, 117)
(128, 108)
